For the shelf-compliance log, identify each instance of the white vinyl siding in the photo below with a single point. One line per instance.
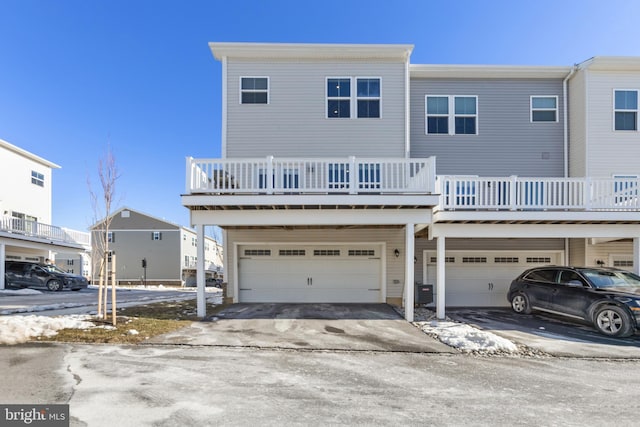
(544, 109)
(299, 99)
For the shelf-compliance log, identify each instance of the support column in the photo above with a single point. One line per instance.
(440, 276)
(3, 253)
(200, 276)
(409, 282)
(636, 255)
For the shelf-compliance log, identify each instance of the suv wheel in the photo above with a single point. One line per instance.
(54, 285)
(613, 321)
(520, 304)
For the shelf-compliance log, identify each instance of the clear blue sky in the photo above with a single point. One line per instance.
(76, 75)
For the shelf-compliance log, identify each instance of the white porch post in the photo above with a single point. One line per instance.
(636, 255)
(2, 256)
(440, 276)
(200, 276)
(409, 283)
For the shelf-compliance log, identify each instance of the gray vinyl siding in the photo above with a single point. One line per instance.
(138, 221)
(294, 122)
(484, 245)
(394, 238)
(578, 125)
(507, 143)
(577, 252)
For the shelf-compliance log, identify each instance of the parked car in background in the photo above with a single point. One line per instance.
(608, 298)
(22, 274)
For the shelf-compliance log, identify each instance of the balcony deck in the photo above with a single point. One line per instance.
(33, 230)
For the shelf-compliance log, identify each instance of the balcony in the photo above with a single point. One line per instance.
(539, 194)
(327, 176)
(29, 229)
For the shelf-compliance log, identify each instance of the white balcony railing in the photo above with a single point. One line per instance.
(36, 229)
(327, 175)
(515, 193)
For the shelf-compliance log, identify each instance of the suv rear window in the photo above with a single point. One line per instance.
(544, 275)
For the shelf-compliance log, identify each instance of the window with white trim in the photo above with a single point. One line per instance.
(544, 109)
(625, 110)
(37, 178)
(339, 97)
(156, 235)
(368, 98)
(343, 102)
(254, 90)
(451, 114)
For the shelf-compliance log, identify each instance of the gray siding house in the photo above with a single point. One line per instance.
(350, 174)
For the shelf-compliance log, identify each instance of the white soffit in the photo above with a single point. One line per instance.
(28, 155)
(399, 52)
(488, 71)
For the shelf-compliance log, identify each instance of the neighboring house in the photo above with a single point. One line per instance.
(26, 232)
(168, 250)
(328, 189)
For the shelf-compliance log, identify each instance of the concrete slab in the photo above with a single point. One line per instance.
(547, 333)
(349, 327)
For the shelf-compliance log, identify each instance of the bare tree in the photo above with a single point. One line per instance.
(102, 203)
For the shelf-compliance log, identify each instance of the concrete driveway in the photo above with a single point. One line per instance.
(551, 334)
(349, 327)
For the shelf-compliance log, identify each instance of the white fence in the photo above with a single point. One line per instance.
(45, 231)
(515, 193)
(327, 175)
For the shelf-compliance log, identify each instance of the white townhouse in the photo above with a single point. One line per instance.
(26, 232)
(349, 174)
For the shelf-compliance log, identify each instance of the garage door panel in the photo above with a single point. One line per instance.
(322, 274)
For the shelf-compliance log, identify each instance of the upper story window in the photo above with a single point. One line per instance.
(111, 237)
(368, 97)
(452, 115)
(254, 90)
(37, 178)
(626, 110)
(156, 235)
(339, 97)
(544, 108)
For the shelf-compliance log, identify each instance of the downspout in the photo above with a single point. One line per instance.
(565, 120)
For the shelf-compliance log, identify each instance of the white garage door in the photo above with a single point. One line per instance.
(482, 279)
(310, 273)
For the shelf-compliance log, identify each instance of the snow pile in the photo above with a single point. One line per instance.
(24, 291)
(466, 338)
(19, 329)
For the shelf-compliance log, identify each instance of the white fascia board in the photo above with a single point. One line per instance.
(28, 155)
(311, 200)
(21, 241)
(310, 51)
(488, 71)
(542, 216)
(582, 231)
(316, 217)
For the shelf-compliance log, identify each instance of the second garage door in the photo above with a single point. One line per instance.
(310, 273)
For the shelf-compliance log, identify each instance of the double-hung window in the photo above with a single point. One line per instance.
(343, 102)
(625, 110)
(368, 97)
(544, 109)
(452, 115)
(254, 90)
(37, 178)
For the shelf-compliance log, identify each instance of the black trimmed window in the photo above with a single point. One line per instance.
(544, 109)
(339, 97)
(368, 97)
(254, 90)
(625, 110)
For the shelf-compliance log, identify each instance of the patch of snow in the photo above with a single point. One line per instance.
(24, 291)
(37, 308)
(19, 329)
(133, 332)
(466, 338)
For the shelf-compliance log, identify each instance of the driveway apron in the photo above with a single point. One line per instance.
(348, 327)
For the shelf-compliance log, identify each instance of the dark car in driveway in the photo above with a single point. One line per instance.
(22, 274)
(608, 298)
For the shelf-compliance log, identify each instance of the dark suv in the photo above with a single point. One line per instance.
(608, 298)
(22, 274)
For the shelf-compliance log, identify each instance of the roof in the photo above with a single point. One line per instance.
(488, 71)
(310, 51)
(612, 63)
(28, 155)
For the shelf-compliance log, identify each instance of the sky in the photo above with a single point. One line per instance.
(81, 77)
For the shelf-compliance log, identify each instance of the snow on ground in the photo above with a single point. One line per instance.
(19, 329)
(19, 292)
